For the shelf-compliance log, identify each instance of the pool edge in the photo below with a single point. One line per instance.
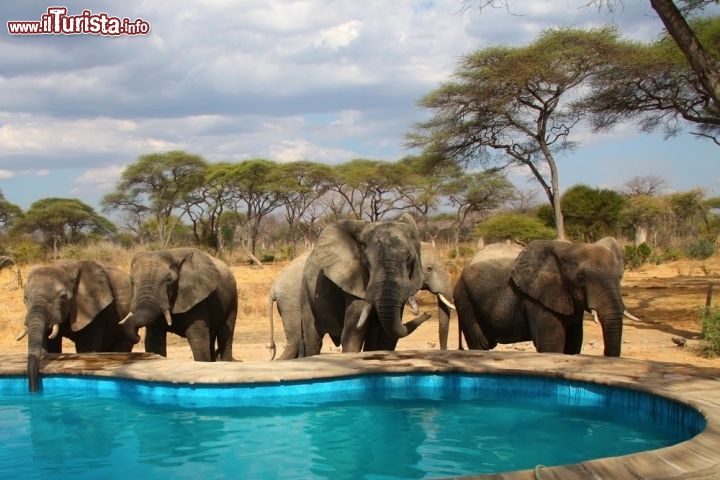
(693, 386)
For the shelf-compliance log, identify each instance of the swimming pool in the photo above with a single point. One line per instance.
(160, 385)
(390, 426)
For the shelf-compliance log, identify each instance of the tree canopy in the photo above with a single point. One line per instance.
(510, 105)
(64, 220)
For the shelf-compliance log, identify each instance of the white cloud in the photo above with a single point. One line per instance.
(98, 180)
(293, 150)
(5, 174)
(339, 36)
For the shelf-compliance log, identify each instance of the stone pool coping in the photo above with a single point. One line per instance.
(697, 458)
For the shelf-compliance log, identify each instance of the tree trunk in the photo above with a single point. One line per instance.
(696, 55)
(555, 183)
(640, 234)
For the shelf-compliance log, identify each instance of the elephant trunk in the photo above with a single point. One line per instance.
(37, 332)
(389, 305)
(610, 312)
(143, 314)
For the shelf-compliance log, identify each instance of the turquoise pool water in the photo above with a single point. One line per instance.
(375, 427)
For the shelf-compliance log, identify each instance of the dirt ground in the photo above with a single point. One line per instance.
(666, 297)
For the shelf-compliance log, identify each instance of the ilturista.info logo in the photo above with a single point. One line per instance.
(56, 21)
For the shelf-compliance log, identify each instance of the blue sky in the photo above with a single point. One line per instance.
(311, 79)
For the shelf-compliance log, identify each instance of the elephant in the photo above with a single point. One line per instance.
(541, 294)
(81, 300)
(360, 273)
(285, 291)
(187, 292)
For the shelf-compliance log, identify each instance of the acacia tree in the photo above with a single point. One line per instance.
(9, 212)
(253, 192)
(476, 195)
(63, 221)
(156, 185)
(672, 14)
(509, 105)
(653, 83)
(300, 186)
(372, 189)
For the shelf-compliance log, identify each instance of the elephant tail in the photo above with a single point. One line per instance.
(271, 346)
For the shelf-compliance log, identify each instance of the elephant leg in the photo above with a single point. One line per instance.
(198, 336)
(469, 323)
(156, 339)
(225, 335)
(573, 338)
(353, 335)
(311, 338)
(547, 331)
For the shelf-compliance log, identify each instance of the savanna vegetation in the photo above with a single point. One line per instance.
(505, 106)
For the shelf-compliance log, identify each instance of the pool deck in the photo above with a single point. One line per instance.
(696, 459)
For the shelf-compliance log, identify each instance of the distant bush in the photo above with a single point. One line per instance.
(267, 257)
(671, 254)
(710, 338)
(25, 251)
(637, 255)
(701, 249)
(517, 227)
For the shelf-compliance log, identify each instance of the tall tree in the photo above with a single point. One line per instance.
(509, 105)
(300, 187)
(157, 184)
(63, 221)
(653, 83)
(372, 189)
(702, 63)
(253, 192)
(9, 212)
(475, 196)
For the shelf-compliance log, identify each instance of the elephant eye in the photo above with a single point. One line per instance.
(581, 278)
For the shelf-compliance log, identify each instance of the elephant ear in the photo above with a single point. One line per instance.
(537, 274)
(618, 255)
(93, 293)
(418, 274)
(198, 277)
(338, 255)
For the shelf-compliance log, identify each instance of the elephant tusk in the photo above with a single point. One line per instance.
(447, 302)
(631, 316)
(54, 332)
(127, 317)
(168, 318)
(22, 334)
(364, 315)
(414, 307)
(595, 316)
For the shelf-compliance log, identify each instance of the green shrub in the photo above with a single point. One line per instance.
(267, 257)
(701, 249)
(637, 255)
(25, 252)
(518, 227)
(671, 254)
(710, 339)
